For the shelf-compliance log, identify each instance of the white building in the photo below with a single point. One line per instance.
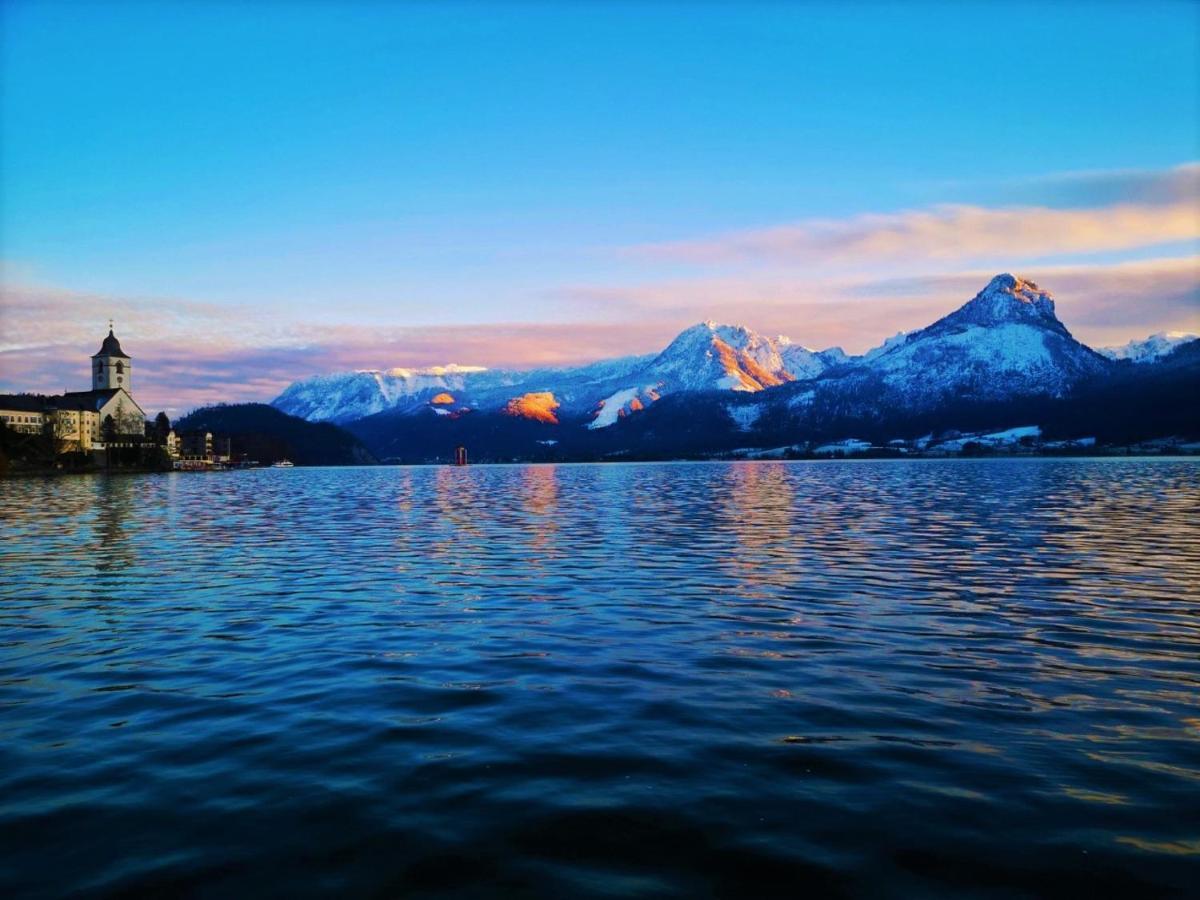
(111, 396)
(80, 418)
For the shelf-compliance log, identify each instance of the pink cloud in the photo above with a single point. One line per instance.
(1167, 210)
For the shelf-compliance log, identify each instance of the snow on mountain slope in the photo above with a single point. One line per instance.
(623, 403)
(714, 357)
(346, 396)
(709, 357)
(1006, 341)
(1150, 349)
(802, 363)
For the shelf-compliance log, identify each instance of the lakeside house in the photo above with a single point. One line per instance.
(84, 421)
(106, 417)
(193, 449)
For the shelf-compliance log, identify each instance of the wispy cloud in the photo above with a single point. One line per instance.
(1084, 188)
(1131, 210)
(946, 233)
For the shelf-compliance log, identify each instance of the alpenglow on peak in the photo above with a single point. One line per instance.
(1008, 299)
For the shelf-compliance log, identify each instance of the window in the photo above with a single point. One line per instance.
(120, 368)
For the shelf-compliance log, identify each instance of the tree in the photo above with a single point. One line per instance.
(129, 424)
(52, 440)
(162, 427)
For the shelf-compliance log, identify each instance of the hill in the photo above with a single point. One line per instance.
(264, 433)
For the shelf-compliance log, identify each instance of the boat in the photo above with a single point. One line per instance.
(283, 464)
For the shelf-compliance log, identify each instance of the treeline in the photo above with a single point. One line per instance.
(260, 432)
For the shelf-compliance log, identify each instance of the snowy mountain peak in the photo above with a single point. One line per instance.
(1006, 341)
(1006, 299)
(734, 335)
(711, 356)
(1008, 283)
(1150, 349)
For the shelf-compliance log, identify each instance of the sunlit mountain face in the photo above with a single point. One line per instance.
(537, 406)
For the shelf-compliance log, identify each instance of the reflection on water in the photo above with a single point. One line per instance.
(874, 678)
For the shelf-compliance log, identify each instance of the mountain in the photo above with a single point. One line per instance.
(1150, 349)
(1005, 342)
(346, 396)
(707, 356)
(267, 434)
(1002, 360)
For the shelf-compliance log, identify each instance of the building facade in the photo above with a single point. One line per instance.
(83, 421)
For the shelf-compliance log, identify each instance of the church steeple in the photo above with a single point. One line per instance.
(111, 366)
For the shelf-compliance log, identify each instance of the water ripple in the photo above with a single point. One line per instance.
(859, 678)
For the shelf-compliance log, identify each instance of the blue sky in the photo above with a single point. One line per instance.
(407, 181)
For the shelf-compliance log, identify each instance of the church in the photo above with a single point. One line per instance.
(84, 421)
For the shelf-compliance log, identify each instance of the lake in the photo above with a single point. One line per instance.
(837, 678)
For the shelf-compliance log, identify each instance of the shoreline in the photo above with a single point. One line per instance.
(858, 457)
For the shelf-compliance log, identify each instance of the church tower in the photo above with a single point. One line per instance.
(111, 368)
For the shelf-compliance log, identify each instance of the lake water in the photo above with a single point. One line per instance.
(872, 678)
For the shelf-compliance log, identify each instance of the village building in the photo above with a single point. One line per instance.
(83, 421)
(196, 446)
(23, 413)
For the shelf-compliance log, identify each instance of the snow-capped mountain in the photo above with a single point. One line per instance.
(705, 357)
(709, 356)
(1150, 349)
(1002, 359)
(1007, 341)
(345, 396)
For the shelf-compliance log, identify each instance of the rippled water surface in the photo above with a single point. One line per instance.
(686, 679)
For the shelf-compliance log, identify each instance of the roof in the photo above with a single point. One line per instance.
(111, 347)
(24, 402)
(84, 399)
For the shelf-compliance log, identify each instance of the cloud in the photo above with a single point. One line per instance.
(1146, 209)
(943, 234)
(1108, 187)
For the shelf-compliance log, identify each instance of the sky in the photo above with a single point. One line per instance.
(259, 192)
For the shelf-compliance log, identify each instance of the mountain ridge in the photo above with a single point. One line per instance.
(1005, 345)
